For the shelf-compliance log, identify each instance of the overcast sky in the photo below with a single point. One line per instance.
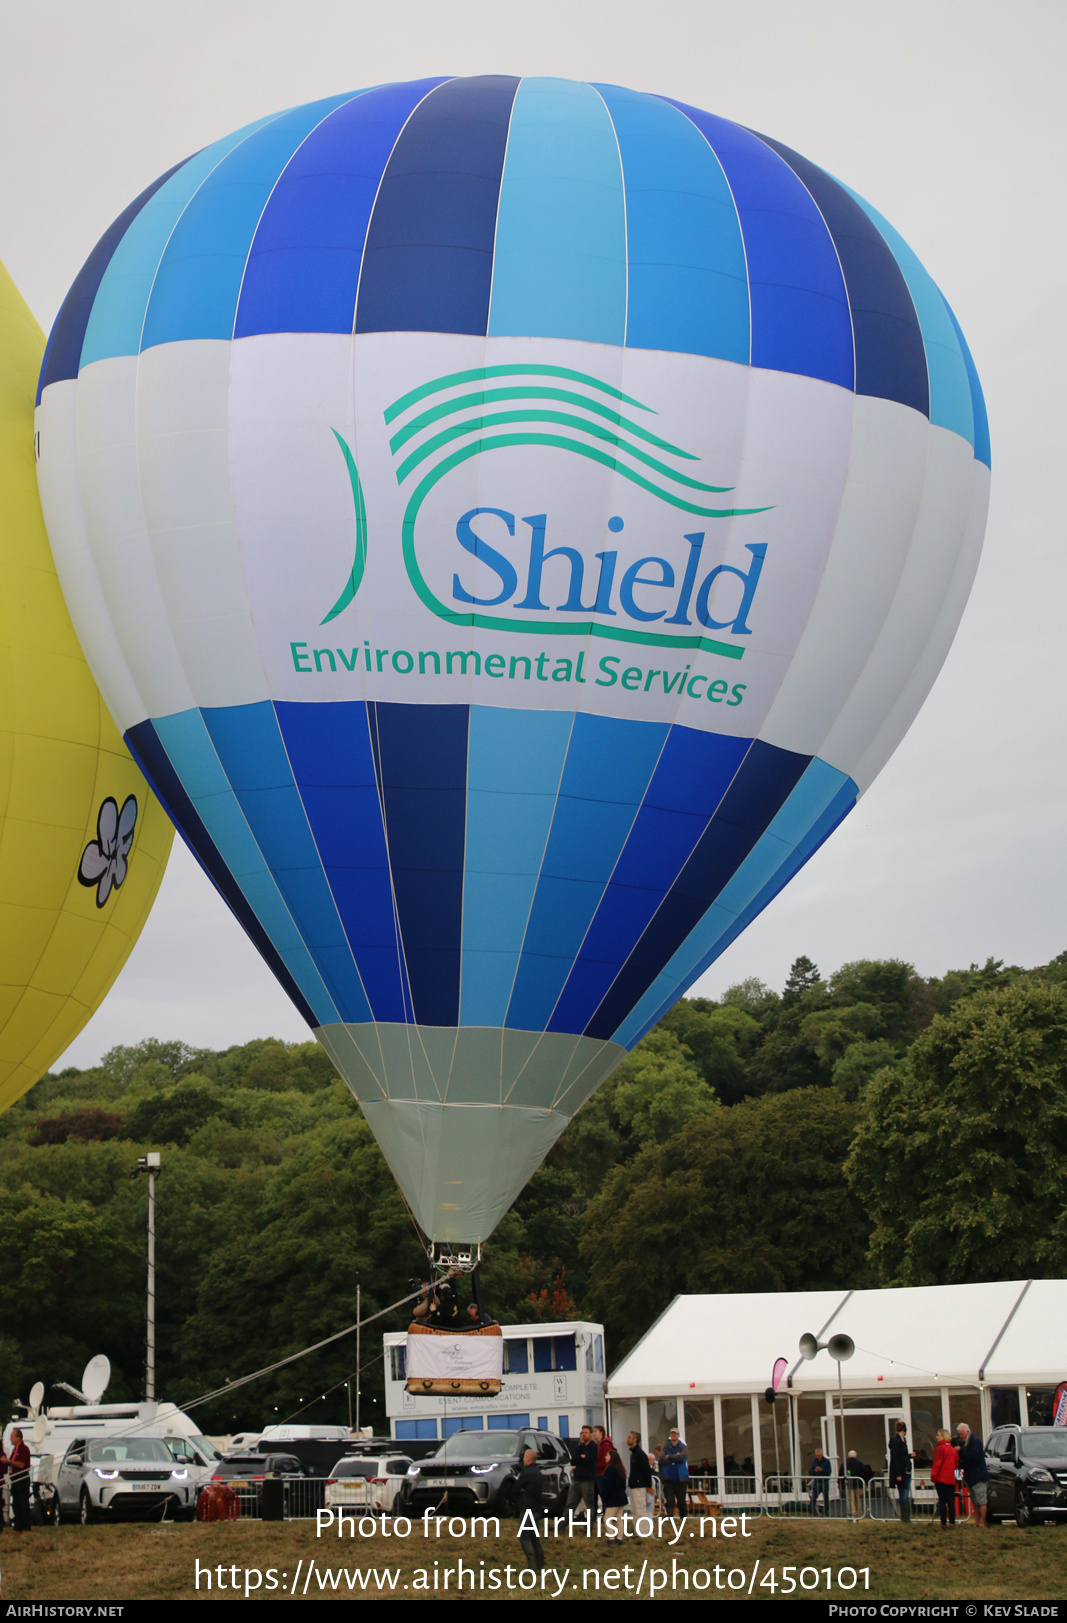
(945, 114)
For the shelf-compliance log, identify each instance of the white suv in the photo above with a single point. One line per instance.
(108, 1477)
(367, 1482)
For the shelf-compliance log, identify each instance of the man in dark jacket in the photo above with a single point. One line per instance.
(639, 1481)
(820, 1471)
(900, 1459)
(531, 1488)
(583, 1473)
(975, 1471)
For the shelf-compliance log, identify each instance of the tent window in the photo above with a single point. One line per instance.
(1005, 1405)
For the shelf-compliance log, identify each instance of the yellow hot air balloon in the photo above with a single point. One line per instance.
(83, 843)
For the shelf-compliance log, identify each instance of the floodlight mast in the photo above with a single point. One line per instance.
(150, 1163)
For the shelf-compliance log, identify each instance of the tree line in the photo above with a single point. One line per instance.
(872, 1128)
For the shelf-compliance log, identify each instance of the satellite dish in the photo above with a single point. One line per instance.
(36, 1395)
(841, 1347)
(40, 1431)
(95, 1379)
(809, 1346)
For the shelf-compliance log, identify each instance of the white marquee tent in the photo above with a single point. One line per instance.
(988, 1354)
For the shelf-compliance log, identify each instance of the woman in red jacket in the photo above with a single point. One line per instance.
(18, 1470)
(943, 1477)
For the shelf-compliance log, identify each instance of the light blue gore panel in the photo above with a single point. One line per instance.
(819, 801)
(117, 319)
(981, 420)
(950, 389)
(688, 283)
(194, 758)
(559, 265)
(515, 763)
(198, 282)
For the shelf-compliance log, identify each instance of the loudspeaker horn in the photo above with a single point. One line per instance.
(841, 1347)
(809, 1345)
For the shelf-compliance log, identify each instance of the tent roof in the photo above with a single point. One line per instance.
(1001, 1333)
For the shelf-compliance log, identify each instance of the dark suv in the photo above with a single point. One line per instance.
(1028, 1473)
(475, 1471)
(246, 1473)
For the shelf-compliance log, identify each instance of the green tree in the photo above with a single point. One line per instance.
(659, 1090)
(961, 1155)
(720, 1039)
(802, 979)
(752, 1198)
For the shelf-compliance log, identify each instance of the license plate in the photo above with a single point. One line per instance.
(147, 1487)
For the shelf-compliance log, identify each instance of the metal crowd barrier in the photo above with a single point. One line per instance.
(820, 1497)
(740, 1493)
(816, 1498)
(884, 1501)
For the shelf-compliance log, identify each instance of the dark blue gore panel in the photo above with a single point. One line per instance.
(890, 354)
(330, 755)
(251, 753)
(64, 349)
(693, 774)
(303, 268)
(763, 783)
(800, 315)
(144, 745)
(428, 263)
(816, 836)
(421, 757)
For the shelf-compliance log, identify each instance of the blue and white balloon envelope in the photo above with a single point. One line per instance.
(511, 520)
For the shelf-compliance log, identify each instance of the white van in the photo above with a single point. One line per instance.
(246, 1441)
(56, 1428)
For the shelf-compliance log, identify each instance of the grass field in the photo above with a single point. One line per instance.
(151, 1563)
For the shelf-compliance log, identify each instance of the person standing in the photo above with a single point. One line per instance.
(855, 1476)
(900, 1469)
(18, 1466)
(975, 1471)
(604, 1447)
(611, 1485)
(531, 1489)
(582, 1490)
(820, 1472)
(639, 1481)
(674, 1474)
(943, 1476)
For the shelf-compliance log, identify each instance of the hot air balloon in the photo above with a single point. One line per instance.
(511, 520)
(83, 843)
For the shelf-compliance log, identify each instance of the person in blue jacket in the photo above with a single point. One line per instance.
(674, 1474)
(975, 1471)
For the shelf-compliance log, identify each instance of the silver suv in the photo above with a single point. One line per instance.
(107, 1477)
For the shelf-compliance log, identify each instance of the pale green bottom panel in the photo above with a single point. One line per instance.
(465, 1115)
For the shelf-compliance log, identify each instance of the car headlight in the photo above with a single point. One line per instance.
(180, 1472)
(482, 1470)
(1040, 1476)
(105, 1476)
(412, 1470)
